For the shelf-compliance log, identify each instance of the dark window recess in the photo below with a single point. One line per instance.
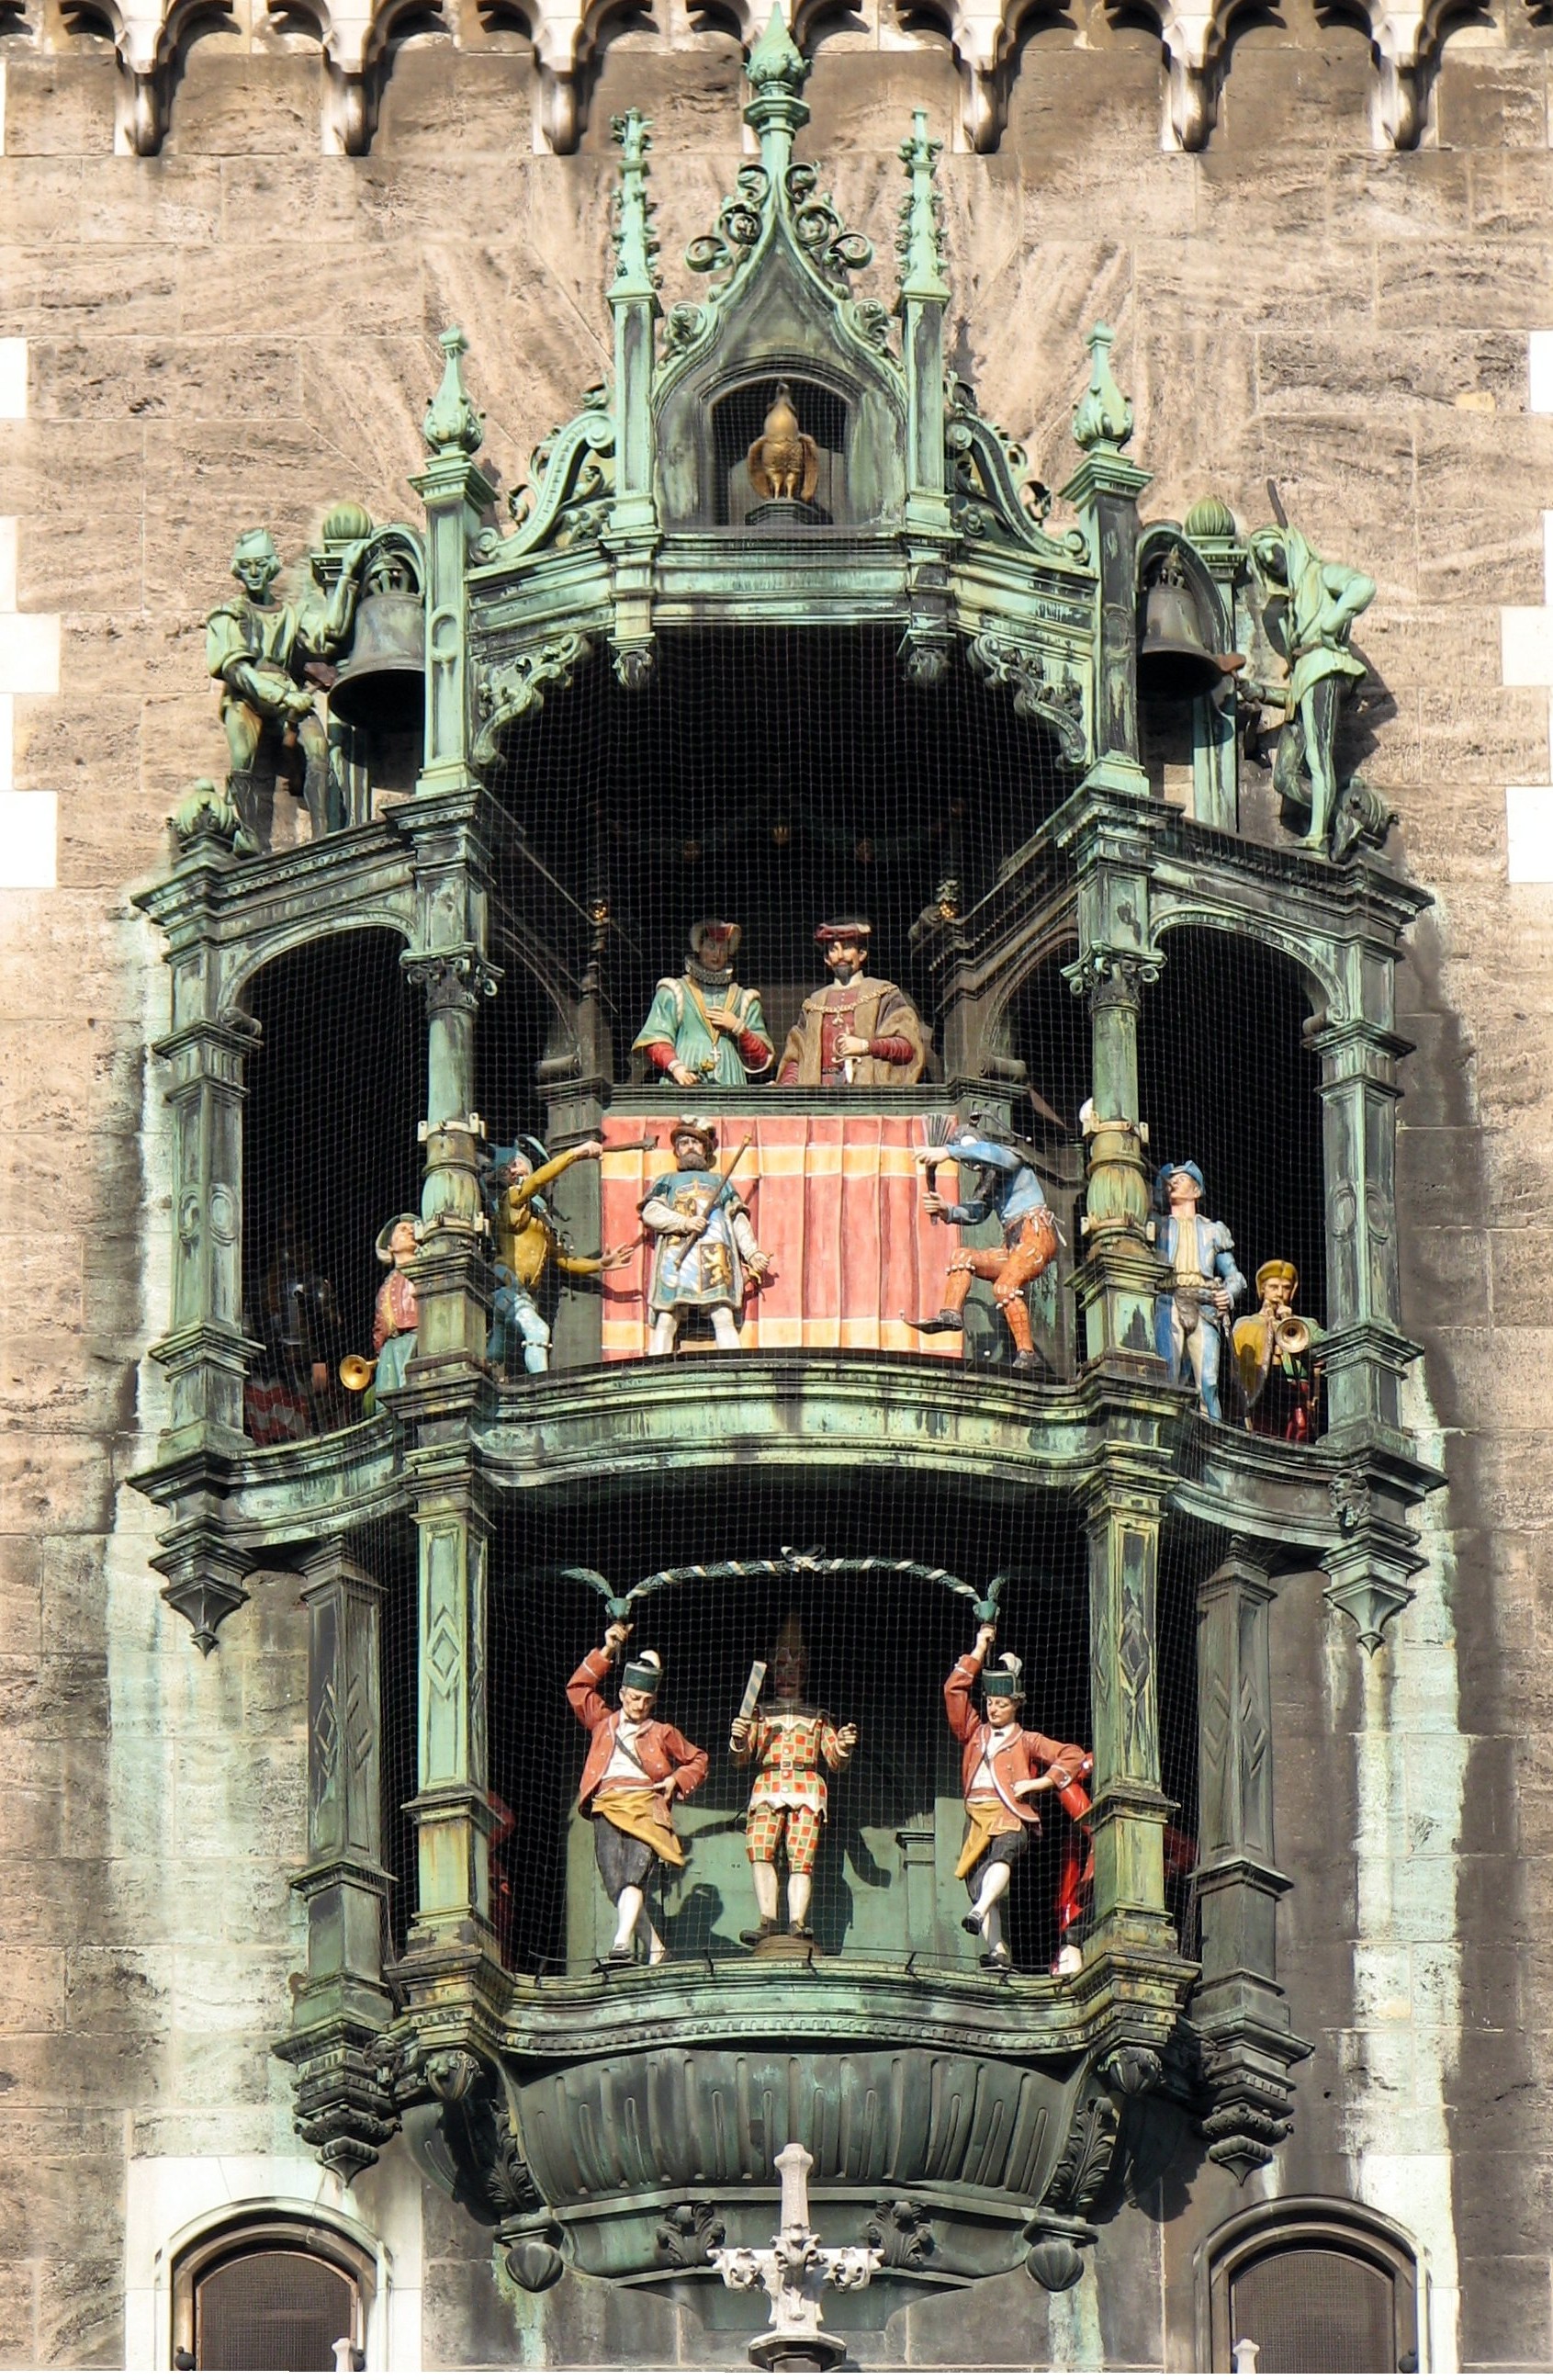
(1315, 2309)
(274, 2309)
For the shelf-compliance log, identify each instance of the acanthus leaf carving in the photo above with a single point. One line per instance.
(507, 691)
(1058, 704)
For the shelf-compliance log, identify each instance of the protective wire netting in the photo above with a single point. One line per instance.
(776, 779)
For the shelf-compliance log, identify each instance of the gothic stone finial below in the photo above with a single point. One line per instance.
(920, 247)
(636, 242)
(1104, 416)
(776, 63)
(451, 421)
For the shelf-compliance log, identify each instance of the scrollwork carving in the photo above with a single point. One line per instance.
(1057, 704)
(452, 978)
(739, 223)
(819, 229)
(507, 691)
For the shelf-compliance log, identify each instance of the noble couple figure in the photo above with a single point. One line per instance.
(857, 1032)
(637, 1767)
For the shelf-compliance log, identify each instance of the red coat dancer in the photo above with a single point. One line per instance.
(636, 1765)
(1003, 1766)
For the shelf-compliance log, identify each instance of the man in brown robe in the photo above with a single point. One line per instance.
(860, 1032)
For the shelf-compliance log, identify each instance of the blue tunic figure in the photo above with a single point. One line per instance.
(1190, 1320)
(1009, 1188)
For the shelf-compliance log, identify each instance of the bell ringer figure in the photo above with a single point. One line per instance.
(792, 1743)
(1003, 1766)
(636, 1766)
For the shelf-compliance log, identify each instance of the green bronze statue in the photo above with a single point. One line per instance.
(1322, 601)
(258, 651)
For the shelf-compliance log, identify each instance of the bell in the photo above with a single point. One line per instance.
(380, 684)
(1174, 662)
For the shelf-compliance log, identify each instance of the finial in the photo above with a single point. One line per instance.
(776, 62)
(921, 211)
(1104, 416)
(778, 71)
(450, 422)
(636, 242)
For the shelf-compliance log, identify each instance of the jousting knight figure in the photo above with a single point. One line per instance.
(704, 1240)
(860, 1030)
(791, 1744)
(529, 1241)
(1003, 1766)
(636, 1767)
(702, 1026)
(1190, 1318)
(1008, 1187)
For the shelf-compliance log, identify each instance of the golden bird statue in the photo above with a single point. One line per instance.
(784, 461)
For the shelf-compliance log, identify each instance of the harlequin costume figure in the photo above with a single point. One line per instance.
(636, 1766)
(1279, 1373)
(1009, 1188)
(860, 1030)
(527, 1242)
(393, 1317)
(791, 1744)
(705, 1241)
(702, 1026)
(1003, 1766)
(1190, 1319)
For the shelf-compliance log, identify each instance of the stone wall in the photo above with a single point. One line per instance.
(243, 329)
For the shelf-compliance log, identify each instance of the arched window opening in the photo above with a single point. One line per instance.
(1312, 2286)
(272, 2293)
(335, 1088)
(739, 420)
(1228, 1083)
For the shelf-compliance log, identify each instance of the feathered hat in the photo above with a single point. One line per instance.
(1007, 1679)
(645, 1672)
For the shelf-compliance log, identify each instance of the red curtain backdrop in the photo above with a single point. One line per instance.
(836, 1202)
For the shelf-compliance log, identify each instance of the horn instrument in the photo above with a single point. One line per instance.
(357, 1371)
(1291, 1336)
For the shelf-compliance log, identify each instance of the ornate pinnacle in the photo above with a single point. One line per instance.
(921, 257)
(636, 242)
(452, 425)
(777, 71)
(1104, 416)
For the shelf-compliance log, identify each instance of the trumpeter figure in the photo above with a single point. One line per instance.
(1280, 1371)
(636, 1768)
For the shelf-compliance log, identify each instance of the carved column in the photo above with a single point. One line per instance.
(206, 1352)
(1366, 1355)
(456, 495)
(1240, 2013)
(1122, 1519)
(453, 1817)
(1104, 491)
(341, 2005)
(1108, 834)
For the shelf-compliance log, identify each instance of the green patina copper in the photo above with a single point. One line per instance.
(627, 535)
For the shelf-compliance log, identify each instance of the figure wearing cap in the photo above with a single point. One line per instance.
(1003, 1766)
(702, 1026)
(1007, 1185)
(705, 1241)
(636, 1766)
(528, 1241)
(393, 1317)
(1190, 1319)
(791, 1744)
(1279, 1373)
(859, 1031)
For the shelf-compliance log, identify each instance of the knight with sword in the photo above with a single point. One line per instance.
(705, 1254)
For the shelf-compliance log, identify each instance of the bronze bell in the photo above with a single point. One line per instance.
(380, 684)
(1175, 661)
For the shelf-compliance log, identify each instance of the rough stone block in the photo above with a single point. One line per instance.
(61, 107)
(231, 100)
(1505, 2311)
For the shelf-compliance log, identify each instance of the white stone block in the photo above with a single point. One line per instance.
(1526, 631)
(1529, 818)
(7, 565)
(29, 841)
(1540, 397)
(13, 373)
(28, 652)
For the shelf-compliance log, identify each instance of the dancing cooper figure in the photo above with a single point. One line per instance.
(1003, 1766)
(636, 1766)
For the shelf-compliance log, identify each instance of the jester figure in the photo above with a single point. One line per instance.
(790, 1744)
(1006, 1185)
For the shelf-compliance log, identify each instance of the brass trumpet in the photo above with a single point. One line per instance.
(357, 1371)
(1290, 1336)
